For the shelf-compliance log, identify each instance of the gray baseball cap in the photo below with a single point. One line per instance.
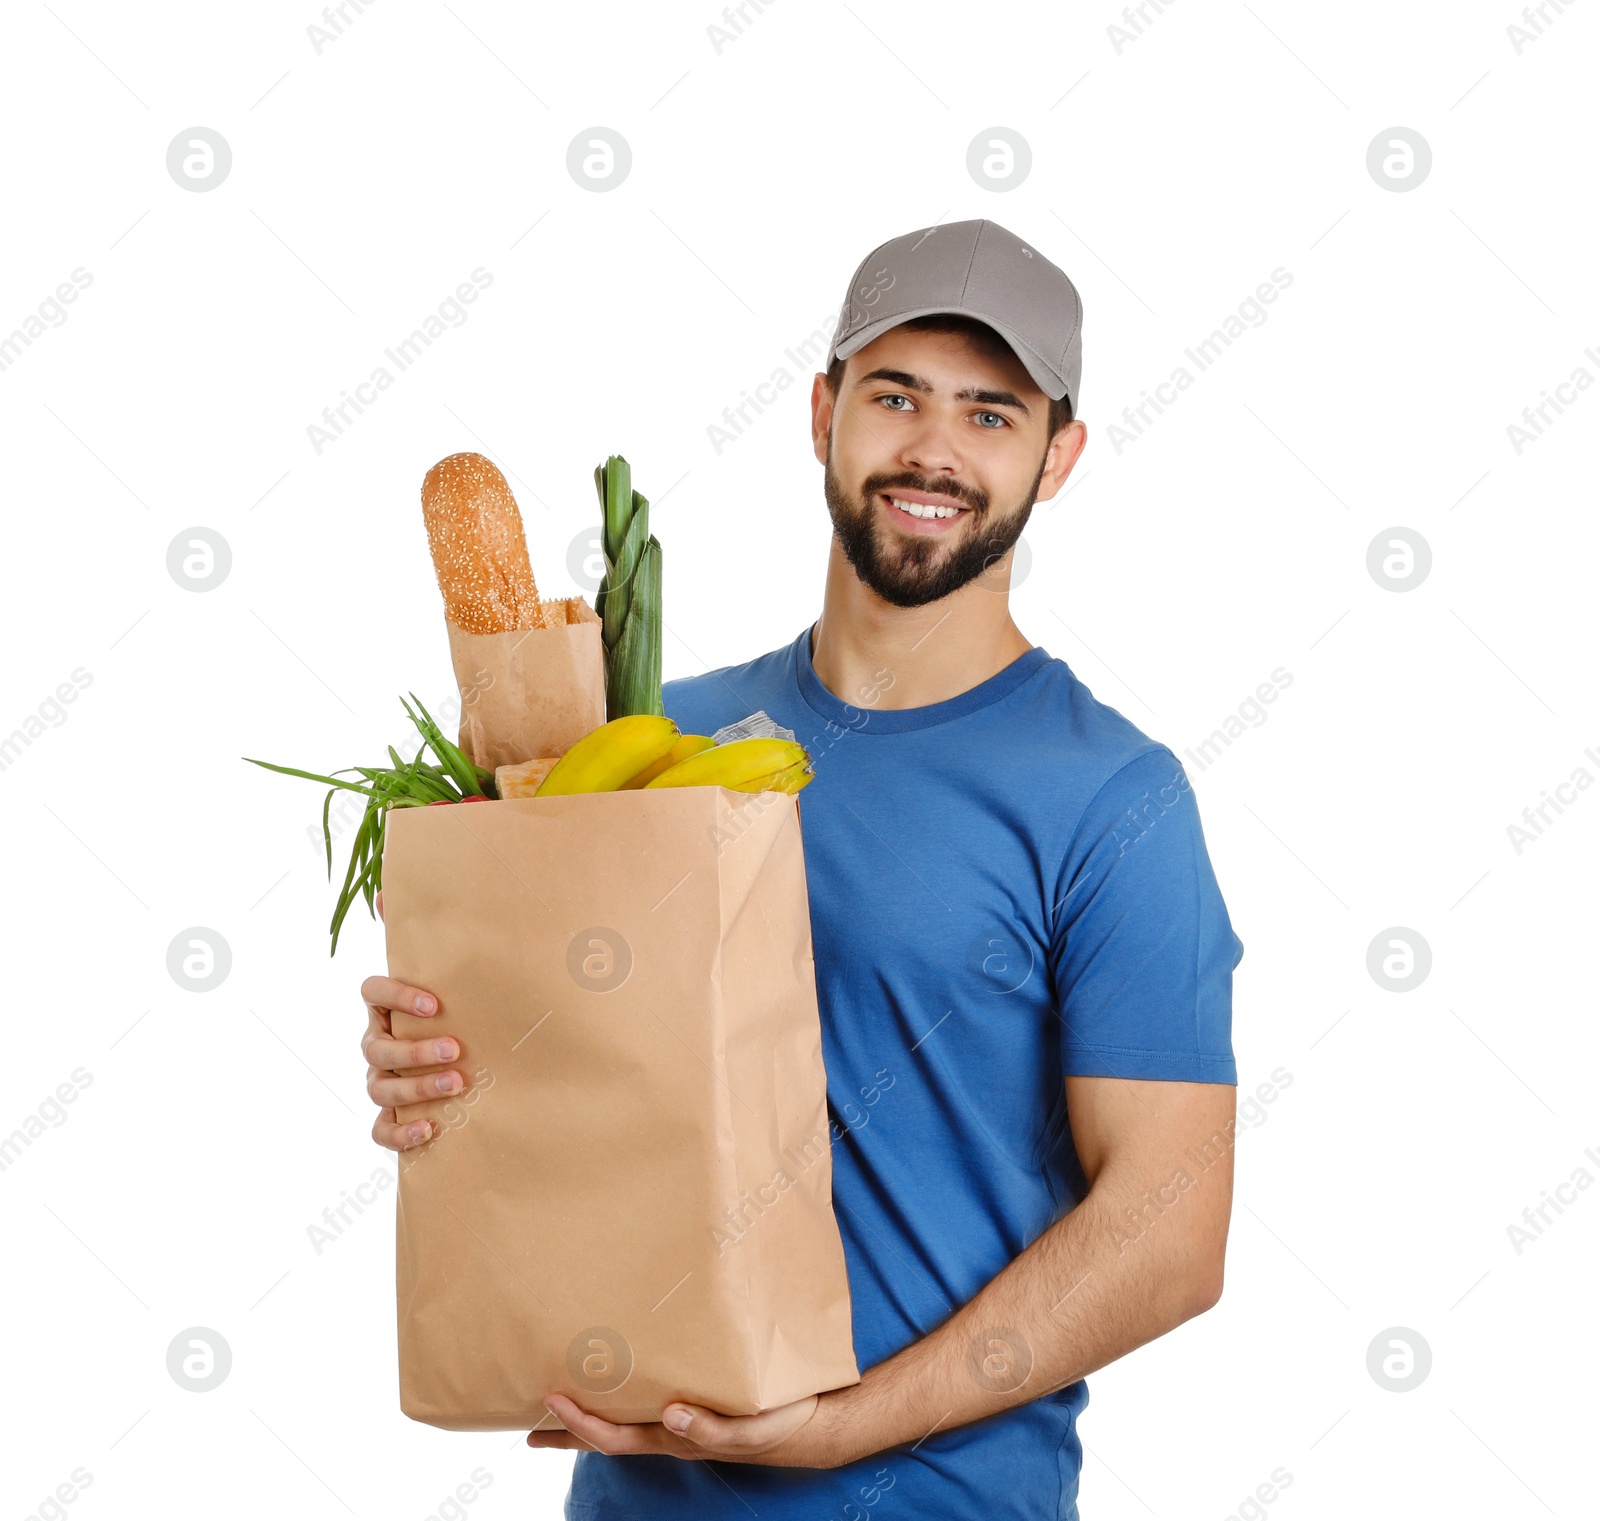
(981, 270)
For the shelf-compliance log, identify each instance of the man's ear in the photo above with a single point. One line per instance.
(821, 416)
(1061, 456)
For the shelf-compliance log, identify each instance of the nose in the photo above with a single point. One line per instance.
(930, 447)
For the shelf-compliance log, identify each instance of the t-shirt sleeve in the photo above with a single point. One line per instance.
(1141, 949)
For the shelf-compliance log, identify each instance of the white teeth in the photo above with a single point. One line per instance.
(924, 510)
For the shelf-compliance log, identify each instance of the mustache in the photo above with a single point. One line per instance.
(978, 501)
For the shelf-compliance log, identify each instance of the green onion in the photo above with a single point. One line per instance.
(400, 784)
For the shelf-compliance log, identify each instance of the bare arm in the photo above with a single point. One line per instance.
(1139, 1255)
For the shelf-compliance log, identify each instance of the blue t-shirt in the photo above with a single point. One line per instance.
(1006, 888)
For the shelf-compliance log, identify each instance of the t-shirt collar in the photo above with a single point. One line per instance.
(865, 717)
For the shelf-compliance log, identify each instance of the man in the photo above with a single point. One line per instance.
(1023, 962)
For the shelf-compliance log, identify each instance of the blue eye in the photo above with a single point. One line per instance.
(1004, 422)
(905, 399)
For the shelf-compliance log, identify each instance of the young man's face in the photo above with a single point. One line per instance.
(930, 420)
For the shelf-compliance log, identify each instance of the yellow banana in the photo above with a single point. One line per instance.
(687, 745)
(737, 764)
(607, 757)
(786, 779)
(790, 779)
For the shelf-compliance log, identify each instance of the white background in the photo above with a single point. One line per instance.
(1169, 178)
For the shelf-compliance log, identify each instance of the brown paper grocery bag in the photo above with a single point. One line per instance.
(631, 1201)
(532, 692)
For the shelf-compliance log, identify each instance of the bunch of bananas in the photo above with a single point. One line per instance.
(643, 750)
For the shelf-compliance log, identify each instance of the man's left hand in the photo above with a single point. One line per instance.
(801, 1435)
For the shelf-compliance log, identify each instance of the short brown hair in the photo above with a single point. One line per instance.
(986, 338)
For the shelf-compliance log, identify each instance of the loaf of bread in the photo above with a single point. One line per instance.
(480, 554)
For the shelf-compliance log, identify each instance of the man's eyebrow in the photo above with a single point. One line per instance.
(896, 377)
(971, 393)
(992, 398)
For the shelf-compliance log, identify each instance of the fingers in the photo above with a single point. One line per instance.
(377, 1027)
(602, 1435)
(378, 1044)
(387, 1090)
(386, 1055)
(397, 1137)
(386, 993)
(389, 1054)
(380, 903)
(706, 1428)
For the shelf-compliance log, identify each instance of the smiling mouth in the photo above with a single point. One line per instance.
(922, 512)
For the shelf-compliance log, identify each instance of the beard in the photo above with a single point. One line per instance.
(910, 570)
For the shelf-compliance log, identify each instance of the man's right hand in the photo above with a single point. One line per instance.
(384, 1053)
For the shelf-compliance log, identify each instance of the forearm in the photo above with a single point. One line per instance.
(1094, 1286)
